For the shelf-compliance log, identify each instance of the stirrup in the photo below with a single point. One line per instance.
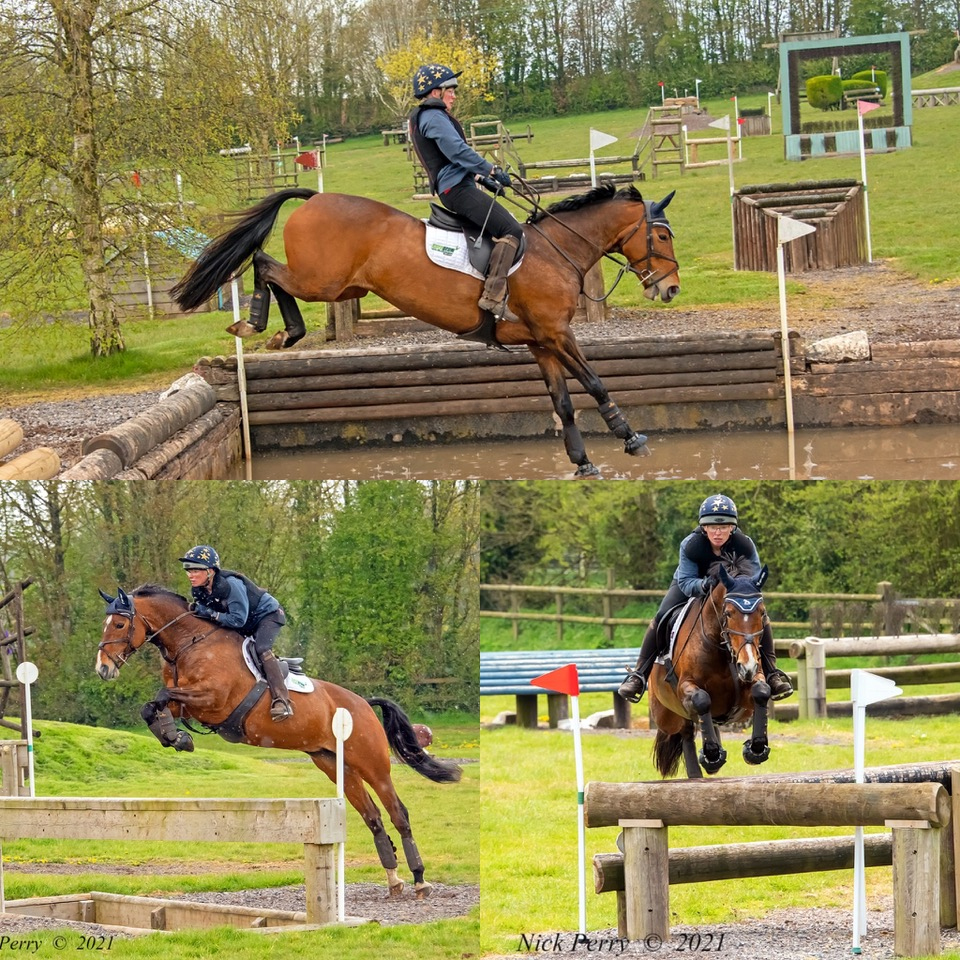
(780, 676)
(280, 710)
(631, 696)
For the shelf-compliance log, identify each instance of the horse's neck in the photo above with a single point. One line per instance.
(170, 625)
(583, 242)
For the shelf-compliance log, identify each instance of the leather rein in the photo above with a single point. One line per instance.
(151, 637)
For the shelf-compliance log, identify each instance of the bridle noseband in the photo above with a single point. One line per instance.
(648, 277)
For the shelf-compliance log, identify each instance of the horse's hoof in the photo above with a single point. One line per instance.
(714, 762)
(636, 445)
(424, 890)
(183, 743)
(755, 756)
(291, 340)
(277, 341)
(396, 889)
(242, 329)
(587, 471)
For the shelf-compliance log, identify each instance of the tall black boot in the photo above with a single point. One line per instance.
(780, 686)
(495, 290)
(280, 708)
(634, 687)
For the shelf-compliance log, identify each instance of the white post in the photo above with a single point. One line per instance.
(736, 120)
(698, 81)
(342, 725)
(581, 840)
(242, 383)
(27, 674)
(686, 146)
(865, 688)
(863, 177)
(770, 96)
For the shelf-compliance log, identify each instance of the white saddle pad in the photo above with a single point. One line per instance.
(449, 248)
(674, 630)
(293, 681)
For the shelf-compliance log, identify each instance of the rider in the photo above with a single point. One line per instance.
(236, 602)
(452, 167)
(715, 538)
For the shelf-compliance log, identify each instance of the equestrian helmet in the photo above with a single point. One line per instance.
(718, 509)
(201, 558)
(433, 76)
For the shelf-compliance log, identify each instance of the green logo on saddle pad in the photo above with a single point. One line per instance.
(443, 249)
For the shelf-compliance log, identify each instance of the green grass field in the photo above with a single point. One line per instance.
(84, 761)
(529, 827)
(913, 231)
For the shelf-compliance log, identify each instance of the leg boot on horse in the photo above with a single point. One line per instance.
(495, 289)
(280, 708)
(162, 725)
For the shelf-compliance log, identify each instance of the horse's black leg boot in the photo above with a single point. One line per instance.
(385, 849)
(614, 419)
(414, 862)
(259, 308)
(495, 290)
(164, 728)
(292, 317)
(280, 708)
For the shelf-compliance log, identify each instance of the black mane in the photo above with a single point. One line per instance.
(155, 590)
(606, 191)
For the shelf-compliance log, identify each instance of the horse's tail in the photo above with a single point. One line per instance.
(667, 751)
(223, 257)
(403, 739)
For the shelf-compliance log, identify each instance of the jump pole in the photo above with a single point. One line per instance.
(342, 726)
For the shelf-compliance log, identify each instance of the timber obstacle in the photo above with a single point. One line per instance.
(921, 847)
(318, 824)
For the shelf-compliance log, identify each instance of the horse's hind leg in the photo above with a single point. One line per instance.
(294, 328)
(259, 302)
(553, 376)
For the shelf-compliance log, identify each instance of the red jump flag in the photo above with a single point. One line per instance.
(307, 160)
(865, 106)
(565, 680)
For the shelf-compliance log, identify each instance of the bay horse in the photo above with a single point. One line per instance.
(715, 677)
(341, 247)
(206, 680)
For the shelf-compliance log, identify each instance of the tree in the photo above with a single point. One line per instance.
(105, 104)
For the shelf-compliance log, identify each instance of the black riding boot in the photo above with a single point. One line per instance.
(634, 687)
(780, 686)
(280, 708)
(495, 291)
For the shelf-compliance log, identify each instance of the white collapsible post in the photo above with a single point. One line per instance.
(27, 674)
(242, 383)
(787, 230)
(863, 106)
(698, 81)
(723, 123)
(342, 725)
(597, 140)
(865, 688)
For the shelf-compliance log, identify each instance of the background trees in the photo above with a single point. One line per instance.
(379, 579)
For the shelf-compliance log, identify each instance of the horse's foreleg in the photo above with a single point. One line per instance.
(712, 756)
(576, 363)
(160, 720)
(757, 748)
(553, 376)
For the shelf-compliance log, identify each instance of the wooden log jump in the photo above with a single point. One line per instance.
(914, 811)
(41, 463)
(318, 824)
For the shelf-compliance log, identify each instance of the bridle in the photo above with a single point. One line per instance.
(648, 277)
(149, 636)
(745, 603)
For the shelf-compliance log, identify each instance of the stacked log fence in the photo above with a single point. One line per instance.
(40, 463)
(834, 207)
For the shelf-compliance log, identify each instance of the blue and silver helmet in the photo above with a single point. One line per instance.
(201, 558)
(433, 76)
(718, 509)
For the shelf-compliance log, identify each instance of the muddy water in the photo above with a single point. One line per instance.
(851, 453)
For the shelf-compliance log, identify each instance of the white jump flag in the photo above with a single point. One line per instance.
(787, 229)
(865, 688)
(597, 141)
(566, 680)
(864, 106)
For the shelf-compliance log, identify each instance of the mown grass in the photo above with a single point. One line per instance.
(74, 760)
(529, 825)
(913, 232)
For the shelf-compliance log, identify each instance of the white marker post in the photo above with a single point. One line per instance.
(597, 140)
(865, 688)
(342, 725)
(723, 123)
(27, 674)
(242, 383)
(566, 680)
(864, 106)
(787, 230)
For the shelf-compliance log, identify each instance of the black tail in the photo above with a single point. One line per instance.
(224, 257)
(667, 751)
(403, 739)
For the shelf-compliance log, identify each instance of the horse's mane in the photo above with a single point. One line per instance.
(155, 590)
(606, 191)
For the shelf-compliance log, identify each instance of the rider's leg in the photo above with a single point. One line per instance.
(780, 686)
(495, 290)
(633, 687)
(266, 634)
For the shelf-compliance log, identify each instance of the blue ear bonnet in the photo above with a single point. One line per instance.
(121, 603)
(745, 604)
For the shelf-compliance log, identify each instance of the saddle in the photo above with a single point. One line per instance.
(667, 632)
(462, 250)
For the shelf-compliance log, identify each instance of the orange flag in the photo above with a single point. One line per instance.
(565, 680)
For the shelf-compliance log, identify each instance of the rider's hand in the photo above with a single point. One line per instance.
(708, 583)
(502, 177)
(490, 184)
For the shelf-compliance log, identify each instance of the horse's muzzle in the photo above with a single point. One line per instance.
(746, 673)
(106, 669)
(666, 291)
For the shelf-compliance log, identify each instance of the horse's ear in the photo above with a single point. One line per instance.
(658, 206)
(725, 577)
(106, 596)
(762, 578)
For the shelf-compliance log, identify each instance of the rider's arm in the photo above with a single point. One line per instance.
(437, 126)
(688, 575)
(238, 608)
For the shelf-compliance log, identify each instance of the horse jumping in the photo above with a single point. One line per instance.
(341, 247)
(715, 677)
(206, 680)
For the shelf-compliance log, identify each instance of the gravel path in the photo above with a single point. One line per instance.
(890, 307)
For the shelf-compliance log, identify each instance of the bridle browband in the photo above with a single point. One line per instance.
(745, 603)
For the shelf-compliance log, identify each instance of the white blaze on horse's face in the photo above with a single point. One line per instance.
(743, 626)
(114, 629)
